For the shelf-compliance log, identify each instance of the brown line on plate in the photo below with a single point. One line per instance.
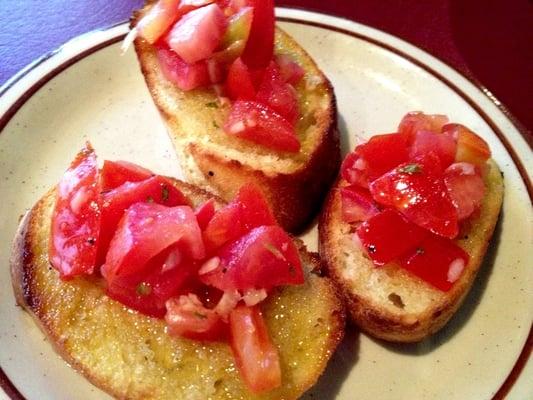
(525, 353)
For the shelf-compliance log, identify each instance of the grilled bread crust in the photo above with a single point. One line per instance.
(294, 184)
(388, 302)
(130, 356)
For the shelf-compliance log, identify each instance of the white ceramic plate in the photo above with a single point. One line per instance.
(87, 91)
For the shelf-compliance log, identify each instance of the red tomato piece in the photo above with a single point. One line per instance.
(465, 187)
(278, 95)
(76, 217)
(353, 169)
(258, 123)
(291, 72)
(416, 121)
(260, 44)
(249, 209)
(205, 213)
(239, 84)
(263, 258)
(115, 173)
(188, 5)
(255, 355)
(470, 147)
(388, 235)
(198, 33)
(382, 153)
(145, 230)
(357, 204)
(441, 144)
(147, 292)
(158, 20)
(417, 190)
(155, 189)
(438, 261)
(187, 317)
(185, 76)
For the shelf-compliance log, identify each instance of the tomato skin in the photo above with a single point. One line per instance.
(263, 258)
(205, 213)
(357, 204)
(76, 217)
(145, 230)
(158, 20)
(353, 170)
(417, 190)
(442, 145)
(255, 355)
(433, 261)
(465, 188)
(388, 235)
(258, 123)
(260, 44)
(239, 84)
(382, 153)
(156, 189)
(116, 173)
(416, 121)
(470, 147)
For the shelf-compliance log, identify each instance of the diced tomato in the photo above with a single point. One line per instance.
(205, 213)
(357, 204)
(416, 121)
(388, 235)
(239, 84)
(198, 33)
(438, 261)
(263, 258)
(115, 173)
(470, 147)
(147, 292)
(158, 20)
(231, 7)
(187, 317)
(278, 95)
(417, 190)
(185, 76)
(382, 153)
(155, 189)
(255, 354)
(353, 169)
(249, 209)
(440, 144)
(258, 123)
(260, 45)
(188, 5)
(465, 187)
(238, 28)
(145, 230)
(76, 217)
(291, 72)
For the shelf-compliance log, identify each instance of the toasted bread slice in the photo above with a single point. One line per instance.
(129, 355)
(294, 183)
(388, 302)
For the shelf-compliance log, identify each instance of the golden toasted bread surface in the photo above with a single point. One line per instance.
(294, 183)
(388, 302)
(130, 356)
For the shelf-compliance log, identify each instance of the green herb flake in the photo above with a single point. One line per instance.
(410, 169)
(270, 247)
(212, 104)
(143, 289)
(164, 193)
(149, 199)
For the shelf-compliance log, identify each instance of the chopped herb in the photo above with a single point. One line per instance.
(215, 124)
(200, 315)
(270, 247)
(410, 169)
(149, 199)
(164, 193)
(143, 289)
(420, 250)
(91, 241)
(212, 104)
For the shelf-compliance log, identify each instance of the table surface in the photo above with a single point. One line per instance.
(491, 42)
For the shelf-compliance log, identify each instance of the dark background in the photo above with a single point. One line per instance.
(489, 41)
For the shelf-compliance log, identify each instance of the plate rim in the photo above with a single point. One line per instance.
(300, 18)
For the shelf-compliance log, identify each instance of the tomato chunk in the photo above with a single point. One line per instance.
(258, 123)
(186, 316)
(115, 173)
(388, 235)
(417, 190)
(465, 187)
(440, 144)
(416, 121)
(357, 204)
(76, 217)
(155, 189)
(354, 168)
(470, 147)
(239, 26)
(263, 258)
(438, 261)
(260, 44)
(382, 153)
(144, 231)
(255, 354)
(185, 76)
(158, 20)
(291, 72)
(239, 84)
(198, 33)
(205, 213)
